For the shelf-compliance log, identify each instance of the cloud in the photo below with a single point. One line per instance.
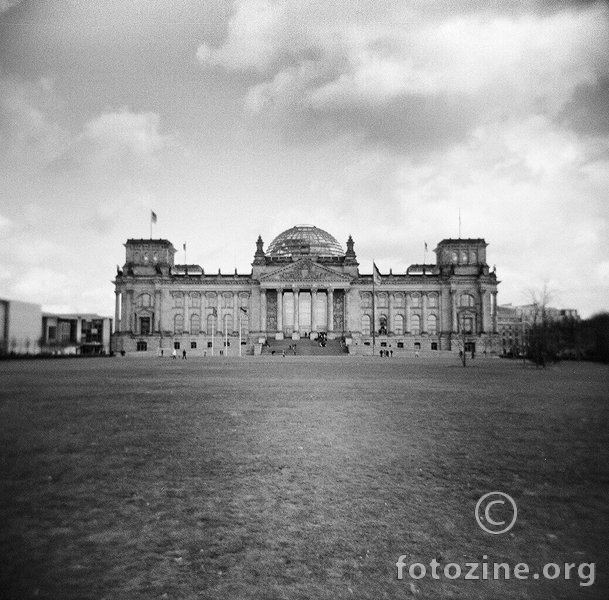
(409, 77)
(6, 5)
(29, 135)
(114, 144)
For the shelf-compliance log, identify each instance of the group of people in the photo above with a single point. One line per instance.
(386, 353)
(174, 354)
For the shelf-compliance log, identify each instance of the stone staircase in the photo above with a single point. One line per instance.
(304, 347)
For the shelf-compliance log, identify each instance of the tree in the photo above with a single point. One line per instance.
(542, 333)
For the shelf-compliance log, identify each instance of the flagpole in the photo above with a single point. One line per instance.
(373, 311)
(240, 320)
(226, 335)
(213, 327)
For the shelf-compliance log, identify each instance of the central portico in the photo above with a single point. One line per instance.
(303, 298)
(304, 283)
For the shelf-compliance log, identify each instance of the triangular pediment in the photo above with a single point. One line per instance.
(306, 271)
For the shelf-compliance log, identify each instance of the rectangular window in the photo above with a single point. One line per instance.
(383, 344)
(434, 345)
(400, 344)
(142, 346)
(417, 346)
(52, 333)
(193, 345)
(176, 345)
(209, 345)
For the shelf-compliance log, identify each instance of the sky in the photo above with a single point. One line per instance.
(380, 119)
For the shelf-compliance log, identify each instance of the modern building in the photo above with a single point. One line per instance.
(20, 327)
(76, 333)
(305, 285)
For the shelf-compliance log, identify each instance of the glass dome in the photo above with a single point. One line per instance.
(303, 240)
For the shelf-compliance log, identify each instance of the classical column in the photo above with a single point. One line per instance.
(130, 310)
(263, 310)
(453, 308)
(186, 312)
(483, 301)
(116, 311)
(494, 312)
(330, 299)
(440, 312)
(157, 311)
(313, 305)
(345, 326)
(390, 313)
(296, 307)
(424, 312)
(280, 310)
(408, 324)
(236, 312)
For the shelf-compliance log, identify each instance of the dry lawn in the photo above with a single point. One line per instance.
(296, 478)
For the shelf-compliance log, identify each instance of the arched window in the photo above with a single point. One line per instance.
(228, 324)
(211, 321)
(195, 324)
(365, 325)
(454, 257)
(472, 258)
(398, 324)
(144, 300)
(227, 300)
(415, 325)
(178, 324)
(466, 300)
(432, 324)
(464, 258)
(195, 300)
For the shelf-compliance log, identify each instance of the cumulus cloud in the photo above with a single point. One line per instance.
(29, 135)
(113, 143)
(409, 69)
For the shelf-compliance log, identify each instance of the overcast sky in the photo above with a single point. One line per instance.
(376, 118)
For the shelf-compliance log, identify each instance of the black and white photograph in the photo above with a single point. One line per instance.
(304, 299)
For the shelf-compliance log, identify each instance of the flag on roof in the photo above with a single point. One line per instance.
(376, 274)
(153, 216)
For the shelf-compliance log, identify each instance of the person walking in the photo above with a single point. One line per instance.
(184, 354)
(174, 354)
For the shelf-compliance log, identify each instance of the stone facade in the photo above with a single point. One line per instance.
(302, 285)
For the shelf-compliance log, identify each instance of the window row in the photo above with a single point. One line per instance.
(146, 300)
(213, 324)
(382, 299)
(398, 325)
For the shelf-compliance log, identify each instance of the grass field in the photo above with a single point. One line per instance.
(297, 478)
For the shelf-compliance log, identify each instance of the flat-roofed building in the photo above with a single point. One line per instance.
(20, 327)
(76, 333)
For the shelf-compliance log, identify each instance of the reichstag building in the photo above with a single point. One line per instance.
(305, 286)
